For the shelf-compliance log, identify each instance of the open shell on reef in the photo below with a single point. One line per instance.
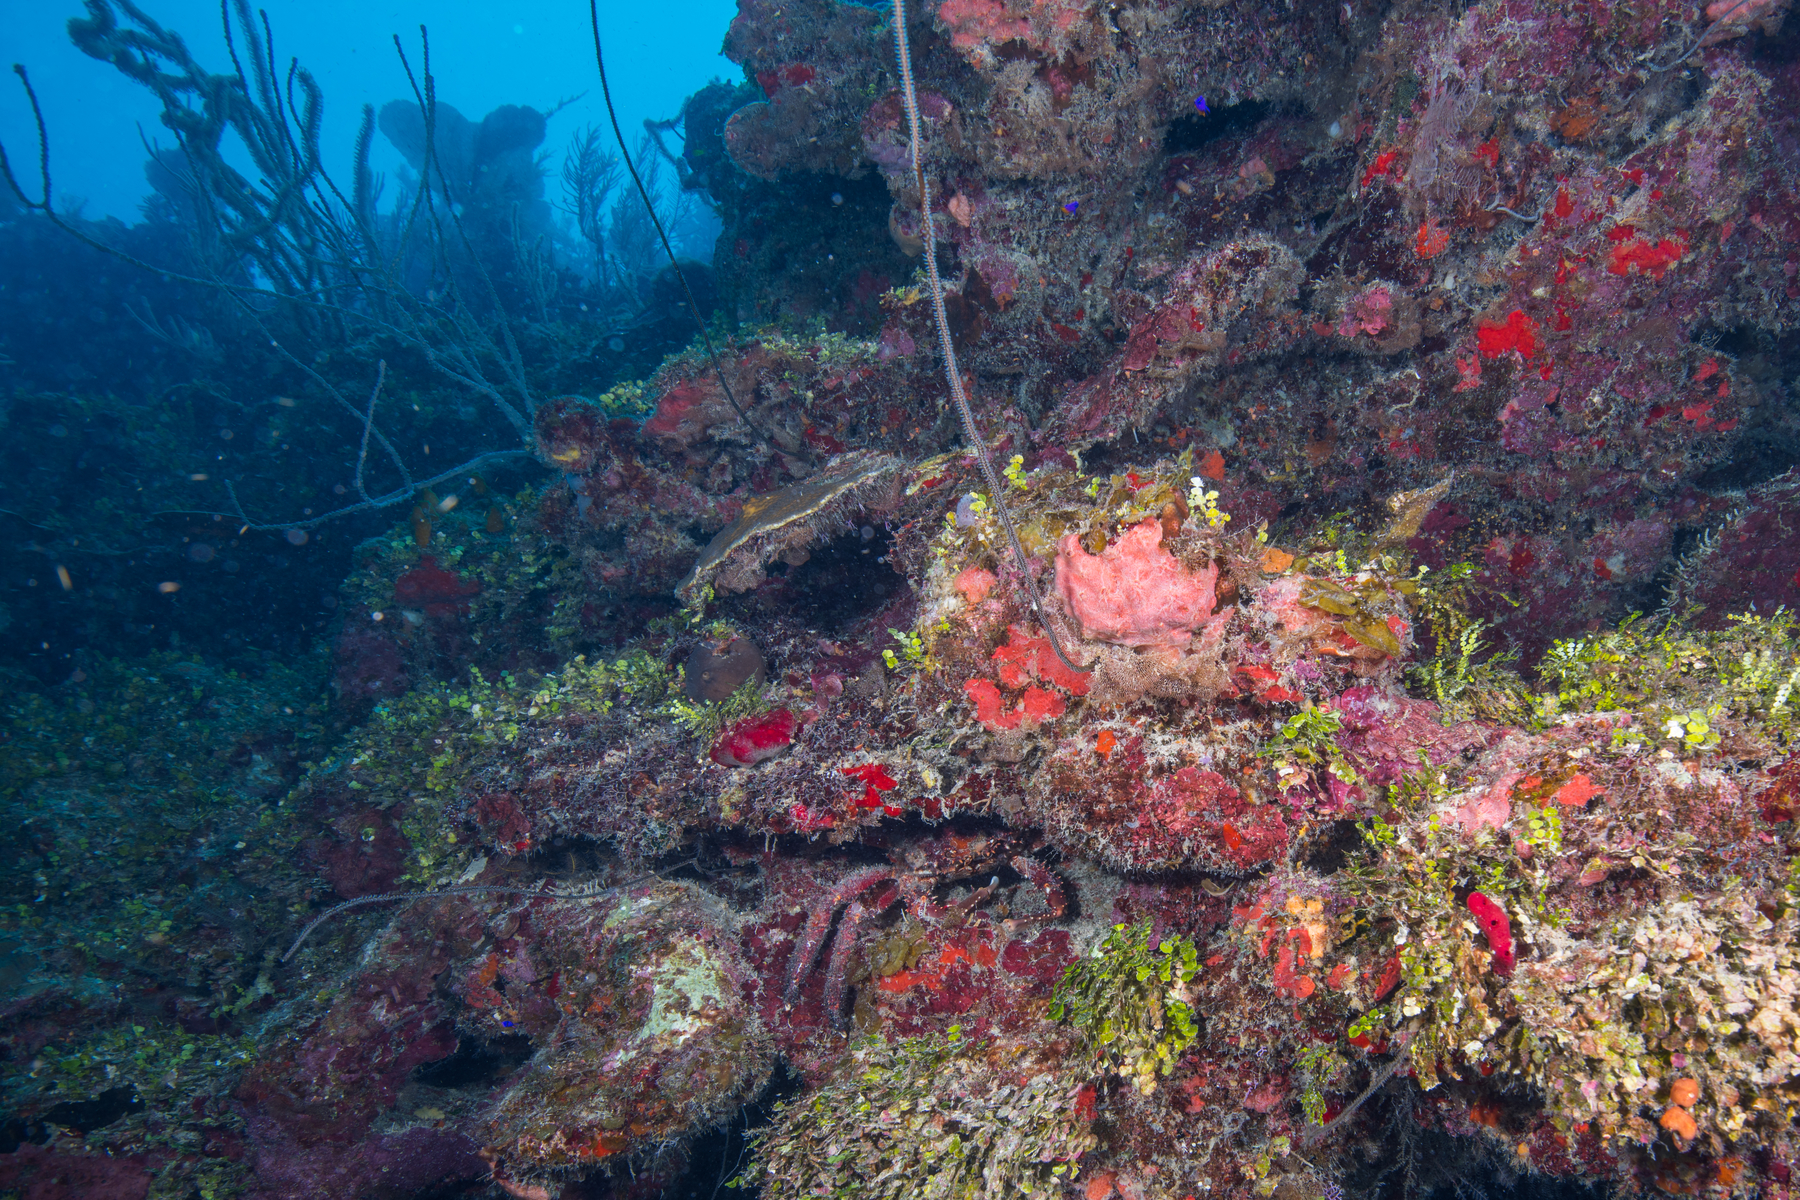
(787, 522)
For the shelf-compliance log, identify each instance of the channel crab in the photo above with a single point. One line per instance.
(912, 878)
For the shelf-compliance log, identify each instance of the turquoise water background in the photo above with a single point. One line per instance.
(533, 52)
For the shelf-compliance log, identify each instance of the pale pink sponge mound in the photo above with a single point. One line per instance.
(1134, 593)
(975, 584)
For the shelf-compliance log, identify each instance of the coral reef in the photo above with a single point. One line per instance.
(1294, 881)
(1394, 412)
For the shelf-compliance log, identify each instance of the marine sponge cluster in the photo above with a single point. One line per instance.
(1236, 889)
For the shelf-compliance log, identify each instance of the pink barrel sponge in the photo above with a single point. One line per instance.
(1134, 593)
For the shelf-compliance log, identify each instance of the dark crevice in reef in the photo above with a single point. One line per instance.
(717, 1156)
(1196, 129)
(842, 581)
(1406, 1162)
(77, 1116)
(476, 1062)
(1768, 440)
(1335, 844)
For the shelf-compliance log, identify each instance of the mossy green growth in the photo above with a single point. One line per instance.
(173, 1073)
(1363, 607)
(161, 1061)
(924, 1117)
(807, 343)
(1465, 676)
(116, 786)
(1204, 502)
(429, 743)
(1261, 1168)
(1309, 739)
(1690, 687)
(1309, 736)
(630, 399)
(1129, 1001)
(1318, 1069)
(163, 723)
(1408, 878)
(913, 650)
(1469, 681)
(1333, 543)
(704, 720)
(1696, 988)
(1679, 986)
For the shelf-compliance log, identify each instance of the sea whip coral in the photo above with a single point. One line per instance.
(952, 373)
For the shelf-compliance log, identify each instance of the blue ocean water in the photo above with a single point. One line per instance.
(537, 53)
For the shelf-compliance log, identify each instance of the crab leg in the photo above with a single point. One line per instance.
(818, 924)
(837, 974)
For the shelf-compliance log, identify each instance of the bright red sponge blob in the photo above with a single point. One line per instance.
(1518, 332)
(754, 739)
(1492, 919)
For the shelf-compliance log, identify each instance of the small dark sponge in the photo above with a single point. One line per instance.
(715, 672)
